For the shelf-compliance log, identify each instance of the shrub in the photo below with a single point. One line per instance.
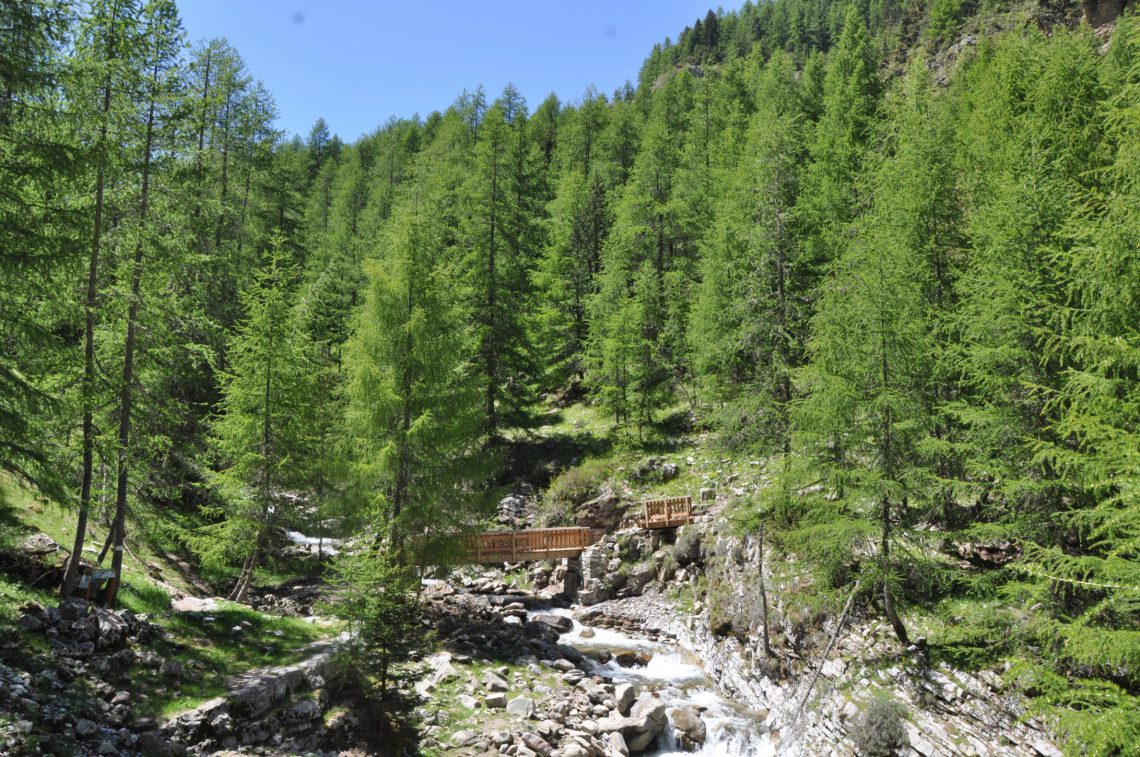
(571, 488)
(376, 597)
(878, 730)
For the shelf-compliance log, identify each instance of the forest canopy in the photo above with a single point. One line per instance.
(894, 247)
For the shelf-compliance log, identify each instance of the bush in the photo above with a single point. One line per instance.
(377, 598)
(571, 488)
(879, 731)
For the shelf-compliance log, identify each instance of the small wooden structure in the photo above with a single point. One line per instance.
(95, 584)
(530, 544)
(666, 512)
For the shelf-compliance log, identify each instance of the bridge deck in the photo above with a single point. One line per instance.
(556, 543)
(530, 544)
(666, 512)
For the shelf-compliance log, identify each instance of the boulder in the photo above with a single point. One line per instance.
(559, 623)
(494, 682)
(628, 658)
(647, 715)
(688, 728)
(618, 745)
(624, 697)
(521, 707)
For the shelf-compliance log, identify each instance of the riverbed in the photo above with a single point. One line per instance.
(732, 730)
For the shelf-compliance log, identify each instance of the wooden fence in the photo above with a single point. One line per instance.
(530, 544)
(667, 512)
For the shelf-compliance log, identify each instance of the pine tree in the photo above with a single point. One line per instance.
(162, 37)
(867, 415)
(749, 319)
(1095, 573)
(35, 232)
(501, 245)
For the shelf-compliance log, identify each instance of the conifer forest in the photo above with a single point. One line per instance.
(859, 277)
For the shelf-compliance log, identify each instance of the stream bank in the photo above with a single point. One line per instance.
(687, 603)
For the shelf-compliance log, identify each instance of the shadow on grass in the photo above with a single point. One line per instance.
(215, 646)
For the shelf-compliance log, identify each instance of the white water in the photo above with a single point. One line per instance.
(731, 730)
(326, 546)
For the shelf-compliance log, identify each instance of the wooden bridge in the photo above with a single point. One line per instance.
(556, 543)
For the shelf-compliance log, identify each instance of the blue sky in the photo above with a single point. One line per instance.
(357, 62)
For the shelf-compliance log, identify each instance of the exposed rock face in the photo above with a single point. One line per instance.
(603, 511)
(260, 706)
(949, 711)
(595, 569)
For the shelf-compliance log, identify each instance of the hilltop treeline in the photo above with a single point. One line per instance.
(918, 292)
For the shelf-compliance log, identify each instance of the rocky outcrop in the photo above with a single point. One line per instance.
(283, 707)
(948, 712)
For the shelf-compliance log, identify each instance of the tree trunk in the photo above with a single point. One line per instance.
(71, 575)
(763, 591)
(126, 398)
(885, 556)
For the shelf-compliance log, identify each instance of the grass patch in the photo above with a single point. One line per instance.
(211, 653)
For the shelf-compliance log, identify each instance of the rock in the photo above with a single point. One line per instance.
(647, 715)
(171, 669)
(496, 701)
(624, 697)
(563, 665)
(494, 682)
(463, 738)
(688, 728)
(669, 471)
(537, 744)
(641, 574)
(31, 622)
(521, 707)
(587, 633)
(557, 622)
(707, 494)
(106, 747)
(629, 658)
(39, 545)
(467, 701)
(618, 745)
(85, 728)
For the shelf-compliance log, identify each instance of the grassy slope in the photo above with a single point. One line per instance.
(208, 650)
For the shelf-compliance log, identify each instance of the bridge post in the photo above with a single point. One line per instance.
(573, 580)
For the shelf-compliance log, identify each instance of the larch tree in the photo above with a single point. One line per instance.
(414, 411)
(264, 434)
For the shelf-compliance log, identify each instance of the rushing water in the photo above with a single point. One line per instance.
(731, 729)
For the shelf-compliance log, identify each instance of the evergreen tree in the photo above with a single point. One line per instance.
(749, 318)
(413, 411)
(264, 434)
(36, 228)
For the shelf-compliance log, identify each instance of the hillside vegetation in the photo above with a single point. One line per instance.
(889, 250)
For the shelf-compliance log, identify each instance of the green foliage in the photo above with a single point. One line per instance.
(376, 597)
(571, 488)
(944, 18)
(413, 403)
(878, 730)
(264, 435)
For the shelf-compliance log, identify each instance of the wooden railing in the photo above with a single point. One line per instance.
(556, 543)
(667, 512)
(530, 544)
